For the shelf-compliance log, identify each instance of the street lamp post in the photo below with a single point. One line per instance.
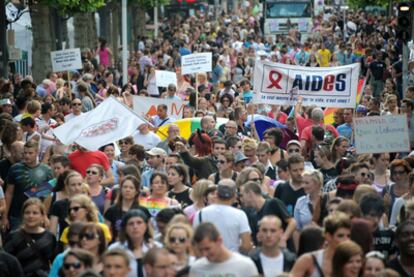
(124, 43)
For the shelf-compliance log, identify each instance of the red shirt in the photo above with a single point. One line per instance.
(80, 161)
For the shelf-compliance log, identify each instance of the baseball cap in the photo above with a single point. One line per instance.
(156, 151)
(5, 101)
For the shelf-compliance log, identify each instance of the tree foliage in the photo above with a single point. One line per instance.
(70, 7)
(149, 4)
(364, 3)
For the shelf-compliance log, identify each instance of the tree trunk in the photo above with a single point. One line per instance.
(115, 29)
(43, 43)
(104, 23)
(141, 21)
(85, 30)
(135, 27)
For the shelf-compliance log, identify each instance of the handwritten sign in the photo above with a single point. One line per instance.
(381, 134)
(196, 63)
(165, 78)
(64, 60)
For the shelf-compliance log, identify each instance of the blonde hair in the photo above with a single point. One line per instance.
(249, 145)
(86, 202)
(199, 189)
(315, 175)
(179, 225)
(361, 191)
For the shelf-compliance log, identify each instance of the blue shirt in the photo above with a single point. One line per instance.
(247, 96)
(345, 130)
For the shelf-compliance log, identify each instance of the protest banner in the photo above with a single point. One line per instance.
(108, 122)
(65, 60)
(281, 84)
(196, 63)
(165, 78)
(148, 106)
(381, 134)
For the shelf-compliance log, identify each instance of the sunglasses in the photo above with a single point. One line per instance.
(177, 239)
(294, 150)
(123, 142)
(255, 179)
(363, 174)
(75, 209)
(76, 104)
(68, 266)
(221, 161)
(88, 236)
(92, 172)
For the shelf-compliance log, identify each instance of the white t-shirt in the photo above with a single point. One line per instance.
(236, 266)
(272, 266)
(230, 222)
(149, 140)
(70, 116)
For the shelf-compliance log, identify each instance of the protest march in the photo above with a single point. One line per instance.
(233, 147)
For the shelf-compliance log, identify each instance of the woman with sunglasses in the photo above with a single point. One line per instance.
(94, 177)
(136, 237)
(82, 209)
(92, 239)
(158, 198)
(127, 199)
(178, 179)
(124, 145)
(32, 244)
(380, 171)
(178, 241)
(225, 164)
(75, 262)
(254, 174)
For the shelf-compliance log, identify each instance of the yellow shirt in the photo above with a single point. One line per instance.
(323, 57)
(107, 233)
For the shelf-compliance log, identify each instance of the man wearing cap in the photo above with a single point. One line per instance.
(294, 147)
(156, 161)
(6, 106)
(145, 137)
(232, 223)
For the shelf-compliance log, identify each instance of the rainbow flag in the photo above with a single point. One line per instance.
(187, 126)
(329, 112)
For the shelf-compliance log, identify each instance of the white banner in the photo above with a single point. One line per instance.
(64, 60)
(164, 78)
(276, 83)
(148, 106)
(109, 122)
(196, 63)
(381, 134)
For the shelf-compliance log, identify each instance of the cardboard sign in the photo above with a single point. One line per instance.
(165, 78)
(64, 60)
(281, 84)
(381, 134)
(148, 106)
(196, 63)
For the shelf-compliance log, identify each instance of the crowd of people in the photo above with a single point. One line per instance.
(227, 201)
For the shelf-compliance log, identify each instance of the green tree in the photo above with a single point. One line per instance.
(364, 3)
(43, 31)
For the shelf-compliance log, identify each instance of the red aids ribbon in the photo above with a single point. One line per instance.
(275, 82)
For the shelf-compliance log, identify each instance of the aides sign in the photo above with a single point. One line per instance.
(276, 83)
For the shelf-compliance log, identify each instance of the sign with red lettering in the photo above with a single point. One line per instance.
(148, 106)
(276, 83)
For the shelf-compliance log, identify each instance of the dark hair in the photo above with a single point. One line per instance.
(295, 159)
(253, 187)
(276, 133)
(162, 175)
(64, 160)
(60, 181)
(46, 107)
(283, 164)
(75, 229)
(130, 169)
(361, 233)
(232, 141)
(311, 239)
(343, 253)
(335, 221)
(372, 204)
(138, 151)
(82, 255)
(151, 257)
(28, 121)
(182, 171)
(123, 236)
(318, 132)
(136, 183)
(206, 230)
(98, 229)
(102, 148)
(165, 215)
